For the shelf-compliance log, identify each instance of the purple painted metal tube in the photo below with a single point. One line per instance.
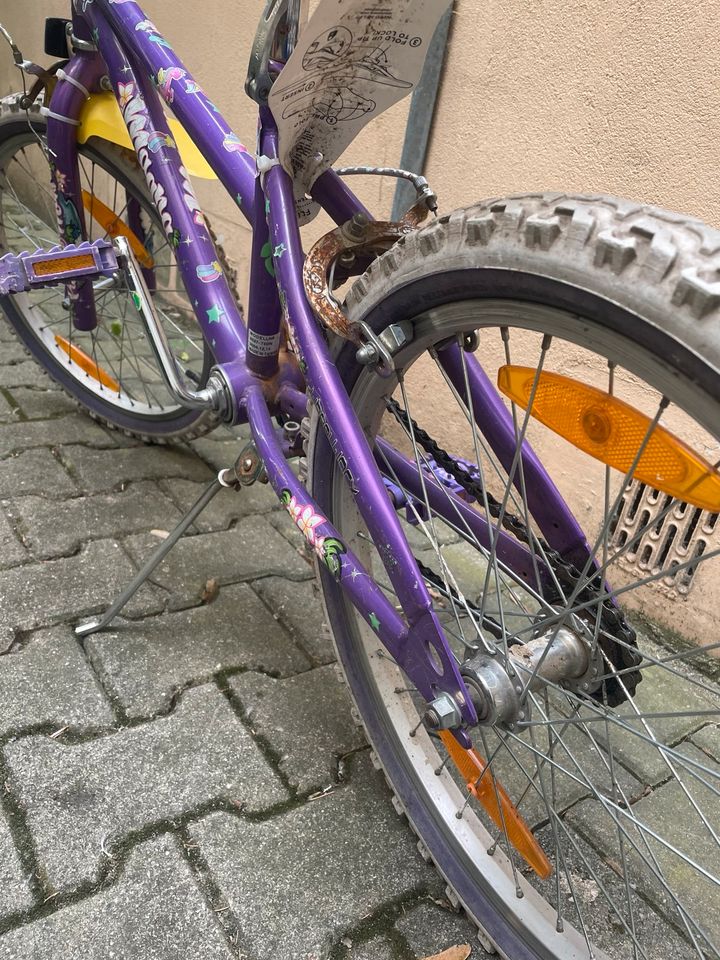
(552, 514)
(409, 651)
(65, 106)
(362, 589)
(451, 508)
(426, 644)
(328, 390)
(264, 315)
(234, 166)
(175, 200)
(336, 198)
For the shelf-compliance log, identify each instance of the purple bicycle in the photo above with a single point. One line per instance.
(507, 420)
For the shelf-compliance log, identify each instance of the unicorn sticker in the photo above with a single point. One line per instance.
(232, 144)
(165, 78)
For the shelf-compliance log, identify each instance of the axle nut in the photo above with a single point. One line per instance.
(442, 714)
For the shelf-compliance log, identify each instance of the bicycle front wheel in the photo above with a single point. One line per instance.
(598, 323)
(111, 370)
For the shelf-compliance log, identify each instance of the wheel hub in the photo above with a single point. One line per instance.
(499, 690)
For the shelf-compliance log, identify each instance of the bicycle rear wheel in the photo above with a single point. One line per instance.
(111, 370)
(617, 771)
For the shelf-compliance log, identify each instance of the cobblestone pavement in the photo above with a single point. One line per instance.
(151, 805)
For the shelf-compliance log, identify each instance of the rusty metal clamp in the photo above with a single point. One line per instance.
(358, 236)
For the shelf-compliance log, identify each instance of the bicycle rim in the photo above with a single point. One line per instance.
(111, 369)
(624, 800)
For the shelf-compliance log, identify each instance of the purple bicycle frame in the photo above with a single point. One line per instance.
(264, 377)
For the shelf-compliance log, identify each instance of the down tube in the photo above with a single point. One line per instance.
(223, 150)
(175, 201)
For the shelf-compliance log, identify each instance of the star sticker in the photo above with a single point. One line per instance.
(354, 574)
(126, 69)
(215, 313)
(279, 250)
(187, 241)
(374, 622)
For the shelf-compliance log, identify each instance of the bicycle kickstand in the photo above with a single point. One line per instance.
(247, 469)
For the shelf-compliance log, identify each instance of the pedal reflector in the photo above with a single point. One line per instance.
(64, 265)
(612, 431)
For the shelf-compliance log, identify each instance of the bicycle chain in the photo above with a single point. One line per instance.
(566, 573)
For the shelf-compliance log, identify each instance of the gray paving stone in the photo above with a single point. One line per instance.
(145, 663)
(100, 470)
(81, 800)
(227, 507)
(220, 452)
(251, 549)
(708, 739)
(154, 911)
(6, 333)
(12, 551)
(660, 692)
(140, 507)
(38, 404)
(49, 681)
(34, 471)
(379, 948)
(285, 526)
(577, 762)
(74, 428)
(41, 594)
(668, 812)
(25, 373)
(429, 929)
(8, 412)
(299, 609)
(602, 902)
(14, 890)
(306, 719)
(12, 350)
(332, 861)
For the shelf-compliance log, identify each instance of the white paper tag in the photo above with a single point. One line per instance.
(262, 345)
(352, 61)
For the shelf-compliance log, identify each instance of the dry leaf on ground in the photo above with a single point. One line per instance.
(211, 590)
(461, 951)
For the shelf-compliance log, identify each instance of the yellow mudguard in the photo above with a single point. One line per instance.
(101, 117)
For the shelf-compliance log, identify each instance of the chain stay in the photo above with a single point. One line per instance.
(612, 622)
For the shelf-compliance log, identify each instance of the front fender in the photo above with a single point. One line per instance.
(101, 117)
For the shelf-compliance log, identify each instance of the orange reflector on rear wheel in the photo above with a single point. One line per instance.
(503, 814)
(87, 364)
(114, 227)
(613, 432)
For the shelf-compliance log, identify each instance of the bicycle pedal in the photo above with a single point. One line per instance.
(20, 272)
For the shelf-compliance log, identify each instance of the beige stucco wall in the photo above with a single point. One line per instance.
(620, 97)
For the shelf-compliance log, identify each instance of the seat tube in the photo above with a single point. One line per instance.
(86, 69)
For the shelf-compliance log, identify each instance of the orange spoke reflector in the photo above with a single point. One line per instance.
(612, 432)
(87, 363)
(488, 792)
(114, 227)
(81, 261)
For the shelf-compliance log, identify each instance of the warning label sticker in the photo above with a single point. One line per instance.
(352, 61)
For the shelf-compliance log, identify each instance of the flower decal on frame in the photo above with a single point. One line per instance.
(328, 549)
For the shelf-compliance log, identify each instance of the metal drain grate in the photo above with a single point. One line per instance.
(682, 535)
